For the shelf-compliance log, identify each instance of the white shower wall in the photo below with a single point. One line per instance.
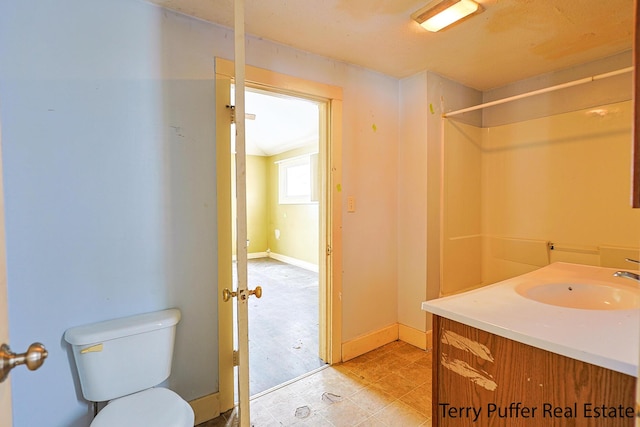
(510, 189)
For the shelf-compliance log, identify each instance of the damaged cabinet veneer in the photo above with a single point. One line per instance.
(481, 379)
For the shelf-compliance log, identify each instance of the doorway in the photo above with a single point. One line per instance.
(329, 99)
(283, 236)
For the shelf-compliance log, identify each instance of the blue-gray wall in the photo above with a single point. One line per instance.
(108, 125)
(109, 165)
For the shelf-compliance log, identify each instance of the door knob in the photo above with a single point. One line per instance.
(227, 294)
(257, 292)
(33, 358)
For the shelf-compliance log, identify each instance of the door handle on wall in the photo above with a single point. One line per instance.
(33, 358)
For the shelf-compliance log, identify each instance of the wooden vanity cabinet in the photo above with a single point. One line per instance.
(481, 379)
(635, 192)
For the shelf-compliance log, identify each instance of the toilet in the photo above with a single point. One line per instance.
(122, 361)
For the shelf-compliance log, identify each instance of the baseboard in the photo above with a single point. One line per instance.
(293, 261)
(206, 408)
(414, 336)
(371, 341)
(254, 255)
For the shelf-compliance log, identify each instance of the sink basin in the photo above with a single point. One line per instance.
(587, 296)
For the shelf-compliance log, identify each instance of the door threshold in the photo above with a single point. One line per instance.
(286, 383)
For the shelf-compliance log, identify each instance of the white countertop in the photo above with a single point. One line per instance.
(606, 338)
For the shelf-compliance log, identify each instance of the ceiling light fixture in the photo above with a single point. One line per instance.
(440, 14)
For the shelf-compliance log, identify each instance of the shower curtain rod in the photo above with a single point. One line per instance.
(539, 91)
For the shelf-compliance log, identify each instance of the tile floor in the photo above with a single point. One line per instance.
(390, 386)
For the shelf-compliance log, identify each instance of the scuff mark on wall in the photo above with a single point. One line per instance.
(466, 344)
(481, 378)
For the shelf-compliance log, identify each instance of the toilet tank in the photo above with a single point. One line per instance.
(123, 356)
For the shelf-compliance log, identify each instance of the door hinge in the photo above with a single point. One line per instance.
(232, 113)
(329, 250)
(236, 358)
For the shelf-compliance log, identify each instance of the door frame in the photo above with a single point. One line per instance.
(330, 99)
(5, 387)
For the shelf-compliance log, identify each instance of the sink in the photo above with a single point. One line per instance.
(587, 296)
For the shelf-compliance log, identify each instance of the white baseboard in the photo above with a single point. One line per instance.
(364, 344)
(206, 408)
(254, 255)
(293, 261)
(415, 337)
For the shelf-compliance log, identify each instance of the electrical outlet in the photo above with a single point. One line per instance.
(351, 204)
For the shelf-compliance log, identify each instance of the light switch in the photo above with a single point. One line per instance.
(351, 204)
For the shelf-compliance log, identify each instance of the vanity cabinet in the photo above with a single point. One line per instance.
(481, 379)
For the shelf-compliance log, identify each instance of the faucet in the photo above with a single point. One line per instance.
(628, 274)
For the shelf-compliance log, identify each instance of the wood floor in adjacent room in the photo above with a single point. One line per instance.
(390, 386)
(283, 324)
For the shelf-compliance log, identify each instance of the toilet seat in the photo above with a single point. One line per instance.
(159, 407)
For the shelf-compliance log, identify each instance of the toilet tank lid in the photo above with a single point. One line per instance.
(122, 327)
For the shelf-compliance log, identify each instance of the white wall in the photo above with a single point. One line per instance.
(109, 165)
(424, 98)
(412, 201)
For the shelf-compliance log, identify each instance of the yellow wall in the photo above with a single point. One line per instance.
(298, 223)
(563, 179)
(257, 191)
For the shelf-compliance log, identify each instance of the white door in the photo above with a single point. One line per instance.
(331, 220)
(227, 294)
(241, 294)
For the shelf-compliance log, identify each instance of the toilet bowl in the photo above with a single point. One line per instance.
(152, 407)
(122, 362)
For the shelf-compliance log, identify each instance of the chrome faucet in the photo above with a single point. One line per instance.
(628, 274)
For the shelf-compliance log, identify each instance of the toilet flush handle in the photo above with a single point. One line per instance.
(33, 358)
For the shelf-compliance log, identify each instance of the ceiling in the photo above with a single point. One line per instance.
(277, 123)
(510, 41)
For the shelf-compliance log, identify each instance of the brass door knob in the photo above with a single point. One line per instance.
(33, 358)
(227, 294)
(257, 292)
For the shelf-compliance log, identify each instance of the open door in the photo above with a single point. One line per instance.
(230, 358)
(330, 268)
(224, 225)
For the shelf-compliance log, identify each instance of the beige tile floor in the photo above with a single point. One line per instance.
(390, 386)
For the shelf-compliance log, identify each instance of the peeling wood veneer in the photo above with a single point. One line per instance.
(458, 341)
(560, 388)
(481, 378)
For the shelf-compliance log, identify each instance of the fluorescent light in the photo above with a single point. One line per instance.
(445, 13)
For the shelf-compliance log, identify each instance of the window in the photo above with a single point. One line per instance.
(298, 179)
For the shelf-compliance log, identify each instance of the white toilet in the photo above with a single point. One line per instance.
(121, 361)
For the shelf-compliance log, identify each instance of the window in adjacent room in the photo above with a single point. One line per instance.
(298, 179)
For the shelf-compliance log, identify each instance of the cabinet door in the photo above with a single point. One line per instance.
(485, 380)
